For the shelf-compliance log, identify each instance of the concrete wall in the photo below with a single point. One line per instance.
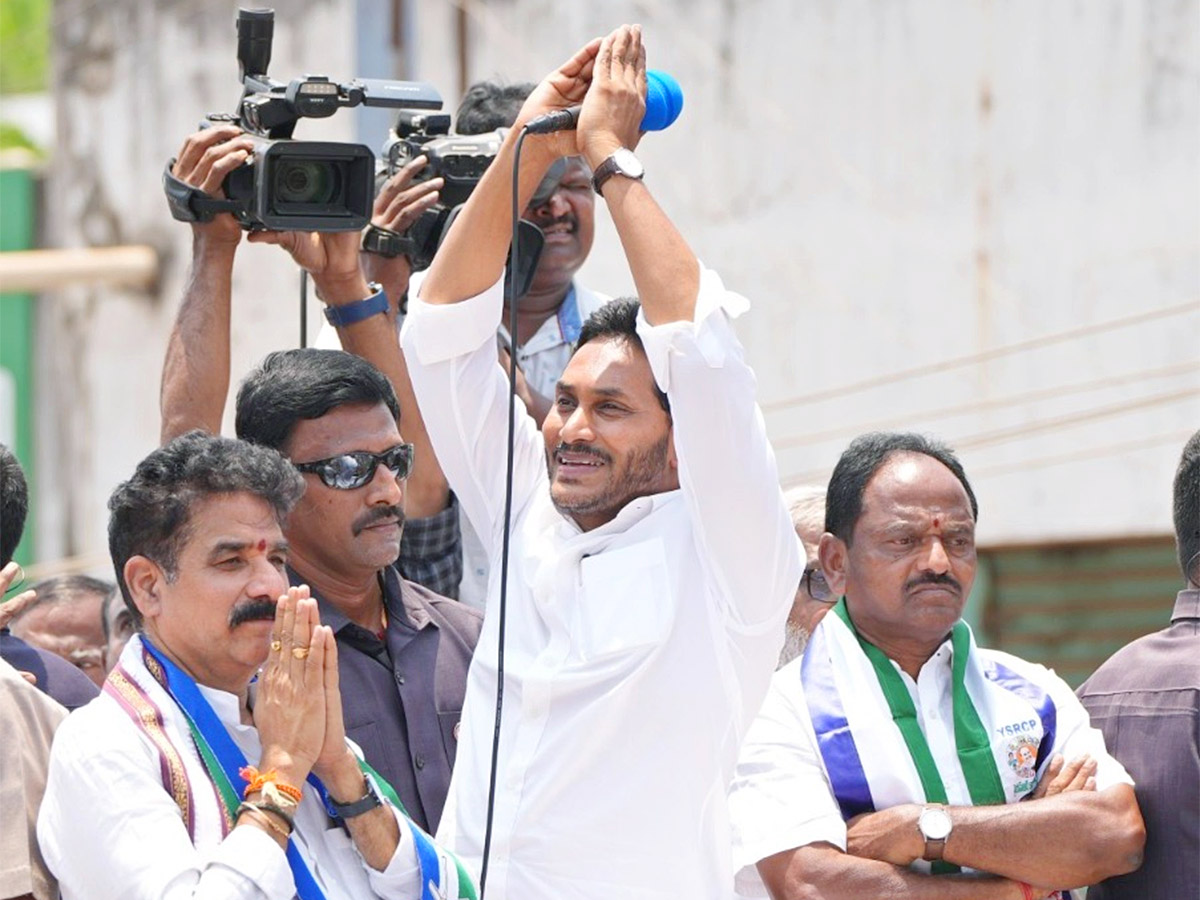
(895, 186)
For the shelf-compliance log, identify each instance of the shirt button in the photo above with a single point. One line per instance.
(419, 762)
(399, 678)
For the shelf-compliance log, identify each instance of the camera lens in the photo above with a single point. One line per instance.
(305, 181)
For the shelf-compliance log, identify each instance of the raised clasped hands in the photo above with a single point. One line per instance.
(607, 76)
(298, 710)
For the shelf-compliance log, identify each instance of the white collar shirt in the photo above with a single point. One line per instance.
(782, 796)
(636, 652)
(110, 831)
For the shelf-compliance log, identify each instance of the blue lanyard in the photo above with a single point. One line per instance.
(183, 689)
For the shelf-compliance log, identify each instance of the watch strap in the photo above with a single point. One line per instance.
(348, 314)
(369, 801)
(934, 849)
(607, 170)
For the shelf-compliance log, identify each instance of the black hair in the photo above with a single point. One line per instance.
(616, 320)
(488, 105)
(150, 514)
(1187, 509)
(862, 459)
(14, 504)
(291, 385)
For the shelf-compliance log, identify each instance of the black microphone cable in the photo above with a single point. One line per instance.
(502, 601)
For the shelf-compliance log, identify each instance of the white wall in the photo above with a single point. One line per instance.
(894, 185)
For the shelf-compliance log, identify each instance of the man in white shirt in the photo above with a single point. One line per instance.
(178, 781)
(651, 567)
(895, 748)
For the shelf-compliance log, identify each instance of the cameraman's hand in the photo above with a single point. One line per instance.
(616, 101)
(398, 205)
(204, 160)
(563, 88)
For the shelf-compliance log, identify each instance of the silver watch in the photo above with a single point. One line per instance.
(935, 826)
(622, 162)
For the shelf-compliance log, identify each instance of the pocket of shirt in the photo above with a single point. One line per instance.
(627, 602)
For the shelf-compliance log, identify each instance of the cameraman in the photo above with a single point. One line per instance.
(403, 650)
(554, 309)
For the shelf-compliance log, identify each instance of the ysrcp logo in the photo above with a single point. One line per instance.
(1022, 758)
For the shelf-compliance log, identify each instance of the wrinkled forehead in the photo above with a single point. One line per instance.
(913, 486)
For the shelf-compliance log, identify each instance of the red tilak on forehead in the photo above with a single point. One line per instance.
(262, 544)
(935, 522)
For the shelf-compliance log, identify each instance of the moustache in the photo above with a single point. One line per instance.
(377, 514)
(944, 579)
(251, 612)
(544, 222)
(583, 449)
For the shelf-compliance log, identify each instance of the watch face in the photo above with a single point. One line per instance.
(628, 163)
(935, 824)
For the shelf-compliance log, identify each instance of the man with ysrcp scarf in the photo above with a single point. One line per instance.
(181, 780)
(895, 748)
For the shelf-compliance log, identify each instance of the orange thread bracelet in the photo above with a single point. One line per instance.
(255, 781)
(1026, 890)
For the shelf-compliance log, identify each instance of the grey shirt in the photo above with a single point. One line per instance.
(1146, 701)
(402, 697)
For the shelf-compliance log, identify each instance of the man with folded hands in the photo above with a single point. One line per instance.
(184, 779)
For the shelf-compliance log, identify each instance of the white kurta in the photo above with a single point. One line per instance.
(783, 794)
(109, 830)
(637, 652)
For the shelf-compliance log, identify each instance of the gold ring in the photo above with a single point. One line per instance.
(276, 646)
(300, 652)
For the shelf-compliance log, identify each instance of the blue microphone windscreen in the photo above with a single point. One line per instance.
(664, 100)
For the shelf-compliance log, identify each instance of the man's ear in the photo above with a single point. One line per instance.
(832, 553)
(145, 580)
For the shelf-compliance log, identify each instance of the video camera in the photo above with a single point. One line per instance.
(460, 160)
(289, 185)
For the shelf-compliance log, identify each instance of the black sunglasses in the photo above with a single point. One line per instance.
(348, 471)
(814, 583)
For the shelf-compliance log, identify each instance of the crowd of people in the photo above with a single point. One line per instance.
(353, 653)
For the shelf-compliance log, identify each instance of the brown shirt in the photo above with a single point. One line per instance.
(28, 719)
(1146, 700)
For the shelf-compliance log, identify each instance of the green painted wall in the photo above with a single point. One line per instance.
(17, 209)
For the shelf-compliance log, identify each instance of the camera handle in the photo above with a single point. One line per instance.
(190, 204)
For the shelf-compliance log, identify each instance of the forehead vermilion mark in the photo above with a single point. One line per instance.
(936, 522)
(262, 545)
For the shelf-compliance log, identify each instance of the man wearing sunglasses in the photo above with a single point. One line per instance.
(404, 648)
(652, 560)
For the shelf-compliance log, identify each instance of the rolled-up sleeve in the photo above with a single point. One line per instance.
(780, 797)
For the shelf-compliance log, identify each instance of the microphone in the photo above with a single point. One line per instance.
(664, 103)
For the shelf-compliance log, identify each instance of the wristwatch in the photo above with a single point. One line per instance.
(349, 313)
(369, 801)
(622, 162)
(935, 826)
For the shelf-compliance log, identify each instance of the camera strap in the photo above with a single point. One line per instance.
(190, 204)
